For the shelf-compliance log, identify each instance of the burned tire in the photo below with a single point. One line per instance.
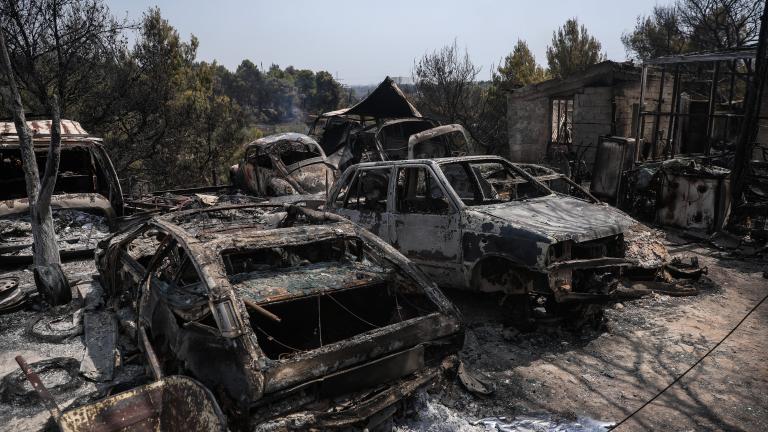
(14, 388)
(54, 328)
(52, 284)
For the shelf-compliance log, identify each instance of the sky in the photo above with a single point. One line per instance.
(361, 42)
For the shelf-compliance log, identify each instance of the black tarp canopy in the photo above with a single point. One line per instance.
(386, 101)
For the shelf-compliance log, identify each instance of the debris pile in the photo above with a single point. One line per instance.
(645, 245)
(75, 229)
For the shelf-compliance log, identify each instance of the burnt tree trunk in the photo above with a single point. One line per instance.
(49, 277)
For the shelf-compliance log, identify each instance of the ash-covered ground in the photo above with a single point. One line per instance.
(553, 378)
(556, 379)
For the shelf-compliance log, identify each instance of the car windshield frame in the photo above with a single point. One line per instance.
(483, 196)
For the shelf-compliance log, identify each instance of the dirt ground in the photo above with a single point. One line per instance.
(552, 379)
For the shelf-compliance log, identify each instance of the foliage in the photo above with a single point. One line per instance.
(573, 50)
(167, 119)
(519, 69)
(694, 25)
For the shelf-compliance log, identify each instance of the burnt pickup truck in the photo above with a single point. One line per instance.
(481, 223)
(87, 197)
(294, 318)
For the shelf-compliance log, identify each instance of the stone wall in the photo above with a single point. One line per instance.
(596, 108)
(592, 113)
(528, 128)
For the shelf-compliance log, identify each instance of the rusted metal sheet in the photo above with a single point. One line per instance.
(175, 403)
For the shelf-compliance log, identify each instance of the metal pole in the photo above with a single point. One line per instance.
(672, 125)
(711, 109)
(657, 116)
(640, 108)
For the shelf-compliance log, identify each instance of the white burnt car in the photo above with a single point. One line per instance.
(481, 223)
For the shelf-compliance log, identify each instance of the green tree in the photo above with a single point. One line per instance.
(327, 92)
(573, 50)
(519, 69)
(656, 35)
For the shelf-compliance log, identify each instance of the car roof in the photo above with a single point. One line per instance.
(258, 229)
(435, 161)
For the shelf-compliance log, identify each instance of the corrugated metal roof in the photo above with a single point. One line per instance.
(43, 128)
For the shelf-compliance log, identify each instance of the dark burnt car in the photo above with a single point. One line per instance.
(284, 164)
(294, 318)
(86, 200)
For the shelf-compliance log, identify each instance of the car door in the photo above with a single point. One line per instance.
(425, 223)
(182, 327)
(363, 199)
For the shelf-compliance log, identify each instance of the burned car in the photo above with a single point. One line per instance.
(283, 164)
(481, 223)
(87, 197)
(450, 140)
(376, 128)
(294, 318)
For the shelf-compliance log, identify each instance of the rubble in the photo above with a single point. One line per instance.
(646, 246)
(76, 230)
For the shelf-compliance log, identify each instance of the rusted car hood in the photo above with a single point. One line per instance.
(559, 218)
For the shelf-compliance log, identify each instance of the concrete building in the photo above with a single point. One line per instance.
(572, 113)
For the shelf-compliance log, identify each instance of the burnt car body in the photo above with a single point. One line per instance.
(376, 128)
(283, 164)
(87, 197)
(450, 140)
(293, 318)
(481, 223)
